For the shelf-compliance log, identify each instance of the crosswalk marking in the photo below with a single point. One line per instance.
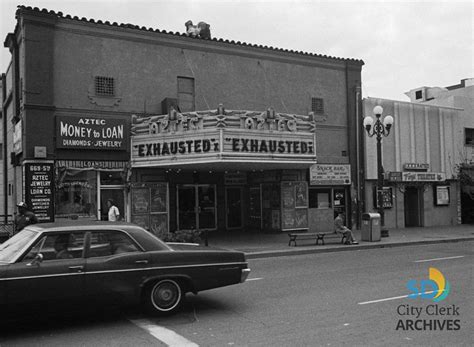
(167, 336)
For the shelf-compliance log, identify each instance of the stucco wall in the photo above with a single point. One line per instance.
(59, 58)
(146, 69)
(420, 134)
(432, 215)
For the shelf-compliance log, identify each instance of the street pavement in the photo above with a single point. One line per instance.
(261, 245)
(325, 299)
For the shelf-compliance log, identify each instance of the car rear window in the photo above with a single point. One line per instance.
(10, 248)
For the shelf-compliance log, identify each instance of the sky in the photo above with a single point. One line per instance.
(404, 44)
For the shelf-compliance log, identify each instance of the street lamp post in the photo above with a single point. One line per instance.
(379, 129)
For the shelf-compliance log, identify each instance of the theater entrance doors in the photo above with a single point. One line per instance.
(196, 207)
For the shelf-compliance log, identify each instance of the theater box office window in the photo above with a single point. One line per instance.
(225, 169)
(328, 195)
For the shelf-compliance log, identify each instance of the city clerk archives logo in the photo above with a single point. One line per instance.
(436, 287)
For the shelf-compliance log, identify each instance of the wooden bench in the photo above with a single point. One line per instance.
(333, 235)
(315, 236)
(301, 236)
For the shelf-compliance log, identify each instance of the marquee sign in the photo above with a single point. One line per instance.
(175, 122)
(166, 147)
(91, 132)
(244, 143)
(222, 135)
(221, 145)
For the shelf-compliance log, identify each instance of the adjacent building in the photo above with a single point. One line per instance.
(420, 157)
(7, 130)
(460, 96)
(184, 133)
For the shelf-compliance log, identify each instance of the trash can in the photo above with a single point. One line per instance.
(370, 227)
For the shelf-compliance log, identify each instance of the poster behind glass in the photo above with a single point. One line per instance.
(141, 220)
(140, 200)
(159, 224)
(294, 196)
(150, 207)
(159, 197)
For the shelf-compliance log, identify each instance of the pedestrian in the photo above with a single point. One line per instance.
(24, 217)
(114, 213)
(340, 228)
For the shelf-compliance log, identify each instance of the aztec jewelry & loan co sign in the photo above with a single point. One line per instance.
(39, 190)
(237, 141)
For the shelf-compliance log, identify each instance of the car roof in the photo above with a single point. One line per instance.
(147, 239)
(80, 225)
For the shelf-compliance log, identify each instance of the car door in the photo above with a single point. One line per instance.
(32, 280)
(115, 264)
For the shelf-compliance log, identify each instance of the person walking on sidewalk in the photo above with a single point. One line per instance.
(341, 228)
(24, 217)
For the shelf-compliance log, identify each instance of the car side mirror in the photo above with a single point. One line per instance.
(37, 260)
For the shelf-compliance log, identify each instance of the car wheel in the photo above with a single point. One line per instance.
(164, 296)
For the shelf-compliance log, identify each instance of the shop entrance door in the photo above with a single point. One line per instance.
(413, 207)
(196, 207)
(233, 207)
(117, 195)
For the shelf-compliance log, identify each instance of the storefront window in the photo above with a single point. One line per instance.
(111, 178)
(76, 194)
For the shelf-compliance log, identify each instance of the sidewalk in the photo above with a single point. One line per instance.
(261, 245)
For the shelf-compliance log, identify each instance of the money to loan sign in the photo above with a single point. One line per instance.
(75, 132)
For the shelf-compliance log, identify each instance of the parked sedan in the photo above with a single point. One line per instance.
(71, 261)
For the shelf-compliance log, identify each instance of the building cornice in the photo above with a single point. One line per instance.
(380, 100)
(180, 40)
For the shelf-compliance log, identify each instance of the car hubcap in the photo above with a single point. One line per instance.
(166, 295)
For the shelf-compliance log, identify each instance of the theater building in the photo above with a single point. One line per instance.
(183, 132)
(222, 168)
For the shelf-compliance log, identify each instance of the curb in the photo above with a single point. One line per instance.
(292, 252)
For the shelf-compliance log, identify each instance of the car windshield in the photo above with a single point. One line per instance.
(10, 248)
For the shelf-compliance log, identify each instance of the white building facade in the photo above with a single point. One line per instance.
(459, 96)
(419, 159)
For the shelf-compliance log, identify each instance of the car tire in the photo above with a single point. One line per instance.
(164, 296)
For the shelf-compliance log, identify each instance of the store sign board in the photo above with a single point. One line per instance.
(322, 174)
(90, 132)
(39, 189)
(416, 167)
(394, 176)
(17, 138)
(92, 164)
(416, 176)
(235, 178)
